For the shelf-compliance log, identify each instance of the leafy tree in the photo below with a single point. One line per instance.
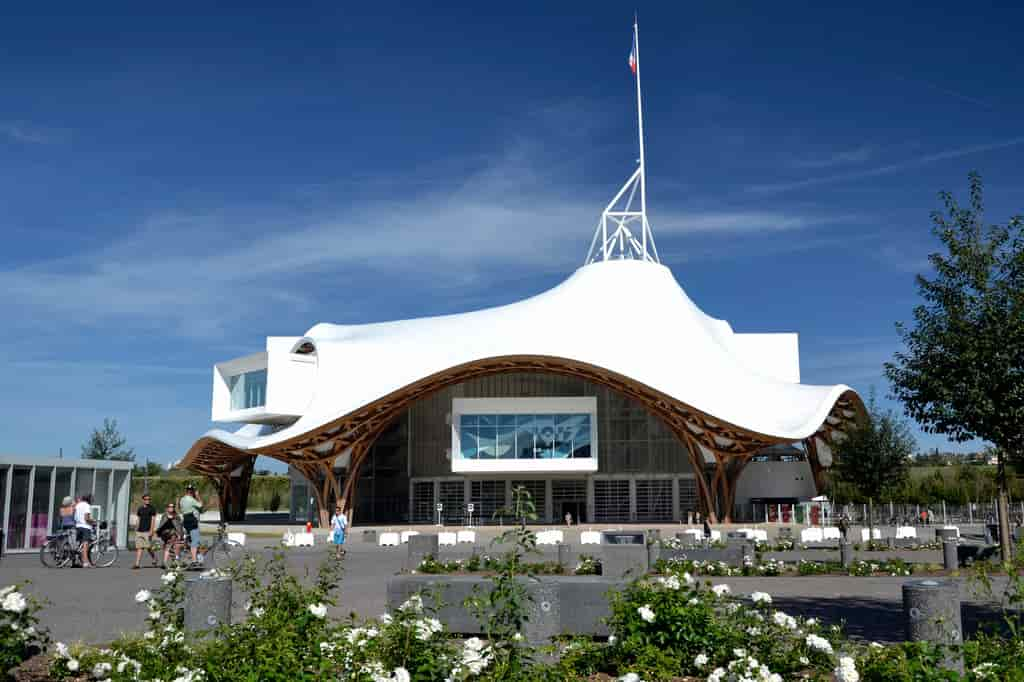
(962, 371)
(108, 443)
(150, 469)
(874, 457)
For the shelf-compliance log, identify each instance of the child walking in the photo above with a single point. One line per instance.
(338, 524)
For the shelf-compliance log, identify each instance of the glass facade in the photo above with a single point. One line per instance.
(524, 436)
(33, 489)
(248, 389)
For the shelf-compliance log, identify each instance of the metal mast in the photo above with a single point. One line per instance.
(621, 242)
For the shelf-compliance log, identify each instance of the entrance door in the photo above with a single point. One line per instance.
(577, 509)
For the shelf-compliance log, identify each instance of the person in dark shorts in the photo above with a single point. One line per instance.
(83, 526)
(145, 530)
(171, 532)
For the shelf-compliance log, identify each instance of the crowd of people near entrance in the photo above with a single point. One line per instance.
(177, 528)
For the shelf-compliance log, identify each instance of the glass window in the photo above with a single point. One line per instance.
(468, 420)
(248, 389)
(506, 420)
(83, 482)
(506, 446)
(487, 442)
(61, 490)
(40, 507)
(488, 419)
(17, 521)
(545, 436)
(468, 443)
(99, 497)
(525, 436)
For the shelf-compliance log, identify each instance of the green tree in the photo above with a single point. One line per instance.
(874, 457)
(108, 443)
(962, 371)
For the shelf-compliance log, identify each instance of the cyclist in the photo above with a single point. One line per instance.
(191, 506)
(144, 531)
(67, 513)
(171, 531)
(83, 527)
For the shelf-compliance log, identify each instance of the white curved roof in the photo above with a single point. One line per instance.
(627, 316)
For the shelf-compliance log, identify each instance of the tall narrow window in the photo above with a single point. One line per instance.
(248, 389)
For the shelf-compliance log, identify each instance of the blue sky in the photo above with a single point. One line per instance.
(176, 186)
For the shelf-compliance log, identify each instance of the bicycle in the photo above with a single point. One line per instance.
(224, 551)
(60, 550)
(102, 550)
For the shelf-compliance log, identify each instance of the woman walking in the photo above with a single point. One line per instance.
(338, 524)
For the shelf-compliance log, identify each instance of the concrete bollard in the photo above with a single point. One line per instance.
(564, 552)
(890, 542)
(653, 554)
(207, 603)
(846, 553)
(931, 611)
(420, 547)
(949, 555)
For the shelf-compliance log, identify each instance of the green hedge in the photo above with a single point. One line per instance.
(164, 489)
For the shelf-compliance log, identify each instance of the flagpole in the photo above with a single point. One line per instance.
(640, 125)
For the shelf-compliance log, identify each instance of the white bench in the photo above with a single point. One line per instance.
(760, 535)
(445, 538)
(590, 537)
(466, 536)
(695, 534)
(388, 540)
(550, 537)
(716, 536)
(831, 533)
(406, 534)
(906, 532)
(747, 532)
(303, 540)
(238, 538)
(875, 534)
(811, 535)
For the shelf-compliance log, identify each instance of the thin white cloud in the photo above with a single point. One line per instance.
(839, 158)
(778, 187)
(27, 133)
(198, 273)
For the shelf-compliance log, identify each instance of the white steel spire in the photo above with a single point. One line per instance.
(614, 237)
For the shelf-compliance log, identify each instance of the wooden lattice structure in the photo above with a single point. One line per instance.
(313, 453)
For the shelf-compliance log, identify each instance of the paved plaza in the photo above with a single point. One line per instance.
(95, 605)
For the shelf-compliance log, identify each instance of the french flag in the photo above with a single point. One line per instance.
(632, 58)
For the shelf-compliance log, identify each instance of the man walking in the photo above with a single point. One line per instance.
(83, 527)
(144, 531)
(191, 506)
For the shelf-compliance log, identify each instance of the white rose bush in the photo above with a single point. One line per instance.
(21, 636)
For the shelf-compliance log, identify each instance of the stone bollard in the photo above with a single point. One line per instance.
(420, 547)
(950, 560)
(207, 603)
(931, 611)
(845, 553)
(653, 554)
(564, 552)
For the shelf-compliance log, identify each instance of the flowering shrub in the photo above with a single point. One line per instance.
(21, 637)
(892, 567)
(487, 564)
(588, 565)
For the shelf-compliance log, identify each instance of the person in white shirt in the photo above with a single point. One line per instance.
(83, 527)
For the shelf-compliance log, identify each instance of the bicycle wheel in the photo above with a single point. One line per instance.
(102, 553)
(225, 553)
(54, 554)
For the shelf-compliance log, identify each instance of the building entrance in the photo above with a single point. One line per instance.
(577, 509)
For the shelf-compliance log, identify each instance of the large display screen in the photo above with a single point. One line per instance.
(524, 436)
